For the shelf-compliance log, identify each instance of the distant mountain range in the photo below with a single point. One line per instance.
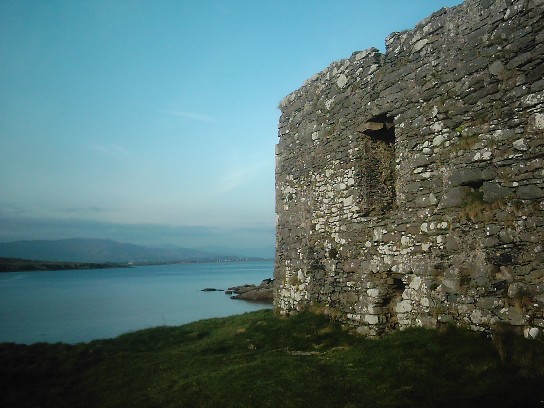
(99, 250)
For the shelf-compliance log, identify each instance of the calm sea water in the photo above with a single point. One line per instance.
(84, 305)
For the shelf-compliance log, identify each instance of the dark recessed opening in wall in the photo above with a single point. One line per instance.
(476, 185)
(398, 285)
(378, 165)
(333, 253)
(394, 295)
(381, 128)
(395, 289)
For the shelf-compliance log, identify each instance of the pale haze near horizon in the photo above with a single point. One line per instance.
(155, 122)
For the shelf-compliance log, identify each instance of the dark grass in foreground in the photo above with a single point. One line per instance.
(261, 360)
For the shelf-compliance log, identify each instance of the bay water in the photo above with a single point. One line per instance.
(83, 305)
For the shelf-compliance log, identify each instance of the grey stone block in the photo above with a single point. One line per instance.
(465, 177)
(455, 197)
(493, 192)
(530, 192)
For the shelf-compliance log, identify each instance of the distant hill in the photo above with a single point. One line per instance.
(100, 251)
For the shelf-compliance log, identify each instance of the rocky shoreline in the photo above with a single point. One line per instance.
(262, 293)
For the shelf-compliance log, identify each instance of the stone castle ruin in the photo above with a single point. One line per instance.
(410, 184)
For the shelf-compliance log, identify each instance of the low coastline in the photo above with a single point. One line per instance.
(25, 265)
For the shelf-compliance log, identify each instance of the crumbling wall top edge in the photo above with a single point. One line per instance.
(392, 42)
(334, 68)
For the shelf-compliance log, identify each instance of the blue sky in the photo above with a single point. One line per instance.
(159, 118)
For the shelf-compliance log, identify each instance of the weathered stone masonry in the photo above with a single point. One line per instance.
(409, 185)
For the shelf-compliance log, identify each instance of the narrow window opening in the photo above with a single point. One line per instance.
(379, 164)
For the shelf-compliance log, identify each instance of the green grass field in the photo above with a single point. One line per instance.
(260, 360)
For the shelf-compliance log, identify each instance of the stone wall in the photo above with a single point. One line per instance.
(409, 185)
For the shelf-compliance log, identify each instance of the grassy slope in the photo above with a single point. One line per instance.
(260, 360)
